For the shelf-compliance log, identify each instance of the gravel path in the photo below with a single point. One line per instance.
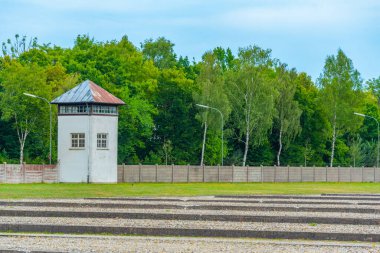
(226, 203)
(224, 225)
(180, 244)
(194, 211)
(211, 198)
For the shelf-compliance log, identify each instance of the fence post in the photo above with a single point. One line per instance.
(374, 174)
(172, 173)
(42, 173)
(261, 166)
(232, 176)
(23, 168)
(156, 176)
(123, 173)
(5, 172)
(301, 173)
(203, 172)
(362, 174)
(139, 172)
(247, 173)
(326, 173)
(288, 174)
(274, 173)
(350, 173)
(188, 173)
(313, 173)
(218, 173)
(339, 173)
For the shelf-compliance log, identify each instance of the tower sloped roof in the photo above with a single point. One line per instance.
(87, 92)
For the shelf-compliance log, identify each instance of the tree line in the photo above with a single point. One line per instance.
(177, 109)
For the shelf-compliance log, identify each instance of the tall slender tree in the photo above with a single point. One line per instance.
(287, 120)
(211, 93)
(340, 85)
(252, 96)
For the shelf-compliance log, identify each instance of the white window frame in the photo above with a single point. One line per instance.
(78, 141)
(102, 141)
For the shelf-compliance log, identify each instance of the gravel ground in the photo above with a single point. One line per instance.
(147, 223)
(200, 212)
(178, 244)
(84, 243)
(189, 204)
(189, 199)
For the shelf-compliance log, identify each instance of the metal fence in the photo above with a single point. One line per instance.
(190, 173)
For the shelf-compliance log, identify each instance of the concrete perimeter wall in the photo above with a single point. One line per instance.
(191, 173)
(30, 173)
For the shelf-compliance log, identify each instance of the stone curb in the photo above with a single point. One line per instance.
(338, 197)
(195, 207)
(193, 217)
(189, 232)
(234, 201)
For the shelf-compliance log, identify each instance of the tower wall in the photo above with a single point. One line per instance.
(103, 162)
(73, 162)
(79, 164)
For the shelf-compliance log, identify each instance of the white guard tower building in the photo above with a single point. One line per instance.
(87, 134)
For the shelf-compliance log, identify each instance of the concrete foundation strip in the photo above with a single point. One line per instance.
(236, 201)
(34, 228)
(329, 197)
(198, 217)
(194, 207)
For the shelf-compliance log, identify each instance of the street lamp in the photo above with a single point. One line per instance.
(378, 136)
(47, 101)
(221, 115)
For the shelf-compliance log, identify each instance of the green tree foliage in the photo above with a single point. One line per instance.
(252, 96)
(30, 116)
(356, 151)
(314, 124)
(340, 93)
(374, 86)
(272, 114)
(211, 93)
(160, 51)
(287, 120)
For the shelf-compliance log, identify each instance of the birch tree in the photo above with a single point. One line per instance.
(211, 93)
(30, 116)
(16, 107)
(252, 96)
(287, 120)
(340, 85)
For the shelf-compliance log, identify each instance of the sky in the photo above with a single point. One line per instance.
(299, 33)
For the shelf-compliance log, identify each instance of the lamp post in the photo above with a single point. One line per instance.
(47, 101)
(378, 136)
(221, 115)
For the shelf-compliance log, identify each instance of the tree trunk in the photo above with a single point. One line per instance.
(204, 143)
(333, 141)
(280, 146)
(22, 133)
(246, 145)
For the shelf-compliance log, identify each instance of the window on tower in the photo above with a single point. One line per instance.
(73, 109)
(102, 141)
(77, 140)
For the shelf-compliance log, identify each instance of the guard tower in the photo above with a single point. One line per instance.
(87, 134)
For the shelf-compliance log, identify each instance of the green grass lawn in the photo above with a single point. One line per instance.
(177, 189)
